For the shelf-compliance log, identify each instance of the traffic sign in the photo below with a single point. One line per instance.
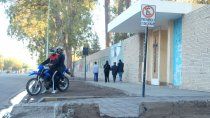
(85, 51)
(148, 13)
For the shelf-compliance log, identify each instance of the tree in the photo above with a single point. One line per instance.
(14, 64)
(25, 66)
(75, 24)
(70, 24)
(3, 1)
(1, 63)
(193, 1)
(107, 19)
(118, 7)
(28, 23)
(8, 64)
(127, 3)
(95, 47)
(198, 1)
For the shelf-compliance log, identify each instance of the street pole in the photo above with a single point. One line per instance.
(48, 28)
(145, 61)
(85, 67)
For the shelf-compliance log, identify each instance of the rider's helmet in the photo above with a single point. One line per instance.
(59, 49)
(52, 51)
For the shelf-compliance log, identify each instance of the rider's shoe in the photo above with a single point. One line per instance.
(54, 91)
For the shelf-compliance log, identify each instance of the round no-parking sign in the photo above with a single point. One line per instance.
(148, 15)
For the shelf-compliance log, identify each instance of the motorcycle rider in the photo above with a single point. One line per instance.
(60, 67)
(51, 61)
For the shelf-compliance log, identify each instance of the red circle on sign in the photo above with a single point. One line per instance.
(149, 11)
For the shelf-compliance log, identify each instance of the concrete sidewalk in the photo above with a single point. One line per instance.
(124, 107)
(128, 106)
(135, 89)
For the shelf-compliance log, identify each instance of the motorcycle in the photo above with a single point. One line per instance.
(35, 85)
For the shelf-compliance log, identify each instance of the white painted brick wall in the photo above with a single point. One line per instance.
(132, 60)
(196, 50)
(133, 57)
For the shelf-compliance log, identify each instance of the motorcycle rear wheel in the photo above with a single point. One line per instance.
(63, 84)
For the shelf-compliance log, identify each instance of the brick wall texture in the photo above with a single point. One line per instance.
(196, 50)
(131, 55)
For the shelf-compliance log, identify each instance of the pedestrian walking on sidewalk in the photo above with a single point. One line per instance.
(106, 71)
(95, 71)
(114, 71)
(120, 69)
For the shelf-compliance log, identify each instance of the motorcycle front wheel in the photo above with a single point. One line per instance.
(33, 86)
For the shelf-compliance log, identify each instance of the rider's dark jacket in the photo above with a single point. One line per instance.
(60, 63)
(57, 61)
(53, 59)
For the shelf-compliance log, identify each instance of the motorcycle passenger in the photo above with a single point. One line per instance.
(61, 59)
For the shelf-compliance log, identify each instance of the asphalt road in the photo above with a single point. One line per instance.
(10, 86)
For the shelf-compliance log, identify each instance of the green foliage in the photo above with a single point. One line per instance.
(8, 64)
(193, 1)
(200, 1)
(25, 66)
(92, 45)
(70, 23)
(116, 9)
(1, 62)
(95, 47)
(3, 1)
(28, 23)
(13, 64)
(119, 37)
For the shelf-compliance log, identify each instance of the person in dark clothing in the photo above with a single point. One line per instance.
(120, 69)
(51, 61)
(114, 71)
(52, 58)
(58, 67)
(61, 59)
(106, 71)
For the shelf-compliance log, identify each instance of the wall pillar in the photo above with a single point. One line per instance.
(170, 53)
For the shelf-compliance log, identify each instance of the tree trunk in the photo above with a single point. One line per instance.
(120, 7)
(68, 52)
(107, 18)
(127, 3)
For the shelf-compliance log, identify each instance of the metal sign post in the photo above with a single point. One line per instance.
(48, 28)
(85, 53)
(148, 20)
(85, 68)
(145, 62)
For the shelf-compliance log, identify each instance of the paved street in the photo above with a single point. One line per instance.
(11, 85)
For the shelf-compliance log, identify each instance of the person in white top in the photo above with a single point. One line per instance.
(95, 71)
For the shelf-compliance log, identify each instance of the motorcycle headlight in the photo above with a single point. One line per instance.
(40, 67)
